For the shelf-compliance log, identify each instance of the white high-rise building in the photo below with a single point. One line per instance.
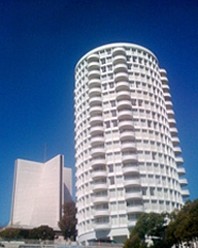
(39, 192)
(128, 155)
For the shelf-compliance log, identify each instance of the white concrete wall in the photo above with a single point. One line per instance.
(67, 179)
(27, 179)
(38, 193)
(48, 196)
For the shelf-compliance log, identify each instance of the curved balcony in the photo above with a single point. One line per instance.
(185, 192)
(130, 170)
(95, 92)
(94, 74)
(93, 57)
(179, 160)
(123, 104)
(95, 82)
(169, 104)
(96, 130)
(95, 100)
(125, 114)
(101, 198)
(121, 76)
(98, 161)
(127, 134)
(177, 150)
(132, 182)
(94, 65)
(124, 94)
(170, 113)
(128, 145)
(164, 79)
(96, 110)
(172, 122)
(133, 195)
(96, 140)
(99, 173)
(122, 86)
(118, 59)
(94, 120)
(135, 208)
(97, 151)
(181, 171)
(125, 124)
(173, 130)
(99, 186)
(102, 226)
(101, 212)
(120, 67)
(167, 96)
(129, 157)
(175, 141)
(119, 51)
(183, 181)
(163, 72)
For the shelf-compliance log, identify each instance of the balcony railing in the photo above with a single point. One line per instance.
(95, 82)
(122, 85)
(95, 100)
(96, 129)
(95, 92)
(94, 110)
(102, 226)
(94, 74)
(93, 57)
(133, 195)
(120, 67)
(179, 160)
(135, 208)
(98, 186)
(121, 76)
(101, 212)
(119, 51)
(100, 198)
(124, 124)
(183, 181)
(99, 139)
(130, 169)
(99, 173)
(125, 114)
(123, 94)
(94, 65)
(98, 161)
(96, 119)
(123, 104)
(127, 134)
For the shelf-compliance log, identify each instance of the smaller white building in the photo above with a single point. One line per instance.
(39, 191)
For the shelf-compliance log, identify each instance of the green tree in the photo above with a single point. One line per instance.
(10, 233)
(42, 232)
(184, 226)
(151, 225)
(68, 222)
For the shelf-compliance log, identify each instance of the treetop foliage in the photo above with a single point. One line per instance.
(42, 233)
(68, 222)
(166, 230)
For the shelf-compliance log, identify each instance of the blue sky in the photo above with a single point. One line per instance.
(40, 43)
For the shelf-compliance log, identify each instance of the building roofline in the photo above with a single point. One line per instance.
(111, 45)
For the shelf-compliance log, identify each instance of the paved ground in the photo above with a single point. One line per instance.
(72, 245)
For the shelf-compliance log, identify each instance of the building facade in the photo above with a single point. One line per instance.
(128, 155)
(39, 192)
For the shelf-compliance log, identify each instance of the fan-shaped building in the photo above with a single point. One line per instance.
(39, 192)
